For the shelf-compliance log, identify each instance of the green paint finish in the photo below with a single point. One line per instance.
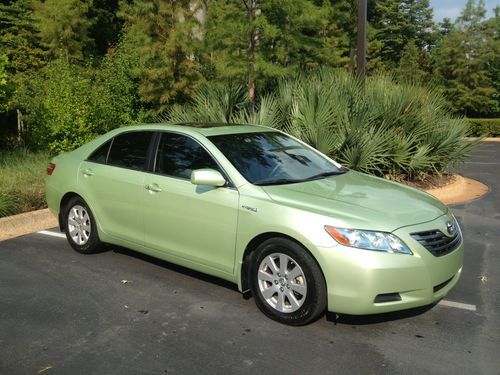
(209, 228)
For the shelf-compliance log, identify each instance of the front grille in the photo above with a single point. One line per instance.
(437, 242)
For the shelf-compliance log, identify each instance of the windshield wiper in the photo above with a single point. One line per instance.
(281, 181)
(326, 174)
(278, 181)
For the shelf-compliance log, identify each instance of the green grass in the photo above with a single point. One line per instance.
(22, 179)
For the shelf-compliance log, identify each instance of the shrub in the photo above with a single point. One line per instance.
(7, 204)
(67, 105)
(396, 131)
(489, 127)
(22, 182)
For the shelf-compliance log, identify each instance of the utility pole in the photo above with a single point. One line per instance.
(361, 49)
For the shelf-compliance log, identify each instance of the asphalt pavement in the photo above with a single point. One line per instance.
(120, 312)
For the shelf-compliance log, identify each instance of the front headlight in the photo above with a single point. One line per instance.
(368, 240)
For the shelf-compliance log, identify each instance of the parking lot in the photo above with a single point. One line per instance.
(120, 312)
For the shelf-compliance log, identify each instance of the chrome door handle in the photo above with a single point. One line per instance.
(88, 172)
(154, 188)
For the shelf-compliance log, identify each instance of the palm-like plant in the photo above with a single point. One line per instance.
(400, 131)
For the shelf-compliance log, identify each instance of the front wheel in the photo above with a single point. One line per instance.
(287, 283)
(81, 228)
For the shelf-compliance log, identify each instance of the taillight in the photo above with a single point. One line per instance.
(50, 168)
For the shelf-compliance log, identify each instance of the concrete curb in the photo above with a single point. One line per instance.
(461, 190)
(28, 222)
(489, 139)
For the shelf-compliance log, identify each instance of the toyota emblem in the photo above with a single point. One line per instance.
(451, 228)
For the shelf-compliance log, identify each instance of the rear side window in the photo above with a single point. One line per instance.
(101, 154)
(129, 150)
(179, 155)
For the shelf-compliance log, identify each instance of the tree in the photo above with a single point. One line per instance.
(445, 27)
(492, 32)
(394, 24)
(18, 37)
(472, 15)
(4, 62)
(419, 25)
(342, 24)
(263, 41)
(64, 27)
(68, 104)
(410, 64)
(386, 35)
(167, 33)
(464, 63)
(106, 27)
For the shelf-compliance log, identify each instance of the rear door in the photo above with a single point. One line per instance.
(113, 181)
(196, 223)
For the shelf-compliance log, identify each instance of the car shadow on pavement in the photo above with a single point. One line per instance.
(377, 318)
(331, 317)
(174, 267)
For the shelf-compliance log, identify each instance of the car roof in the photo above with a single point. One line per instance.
(205, 128)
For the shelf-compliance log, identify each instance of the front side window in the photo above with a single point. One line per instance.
(178, 156)
(129, 150)
(271, 158)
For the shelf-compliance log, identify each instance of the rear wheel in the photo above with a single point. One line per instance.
(80, 227)
(287, 283)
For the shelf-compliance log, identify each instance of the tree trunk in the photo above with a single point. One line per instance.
(20, 127)
(251, 6)
(361, 50)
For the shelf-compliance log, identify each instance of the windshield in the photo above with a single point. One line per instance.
(273, 158)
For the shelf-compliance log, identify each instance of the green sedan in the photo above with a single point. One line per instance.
(259, 208)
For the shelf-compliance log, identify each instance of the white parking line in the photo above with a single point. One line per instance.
(53, 234)
(458, 305)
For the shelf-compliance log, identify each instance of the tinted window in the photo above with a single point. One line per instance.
(273, 158)
(101, 154)
(129, 150)
(178, 155)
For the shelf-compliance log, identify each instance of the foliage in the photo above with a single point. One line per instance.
(168, 44)
(259, 42)
(22, 182)
(18, 36)
(115, 62)
(67, 105)
(397, 131)
(410, 65)
(105, 30)
(210, 104)
(4, 61)
(63, 26)
(465, 63)
(394, 24)
(489, 127)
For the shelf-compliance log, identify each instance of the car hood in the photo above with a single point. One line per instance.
(357, 200)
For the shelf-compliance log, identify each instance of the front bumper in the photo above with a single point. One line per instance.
(357, 278)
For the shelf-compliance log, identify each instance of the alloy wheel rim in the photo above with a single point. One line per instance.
(282, 282)
(79, 225)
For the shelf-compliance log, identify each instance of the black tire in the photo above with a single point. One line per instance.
(306, 307)
(88, 241)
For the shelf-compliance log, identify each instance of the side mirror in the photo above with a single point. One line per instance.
(209, 177)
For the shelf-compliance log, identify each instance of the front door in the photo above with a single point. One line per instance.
(195, 223)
